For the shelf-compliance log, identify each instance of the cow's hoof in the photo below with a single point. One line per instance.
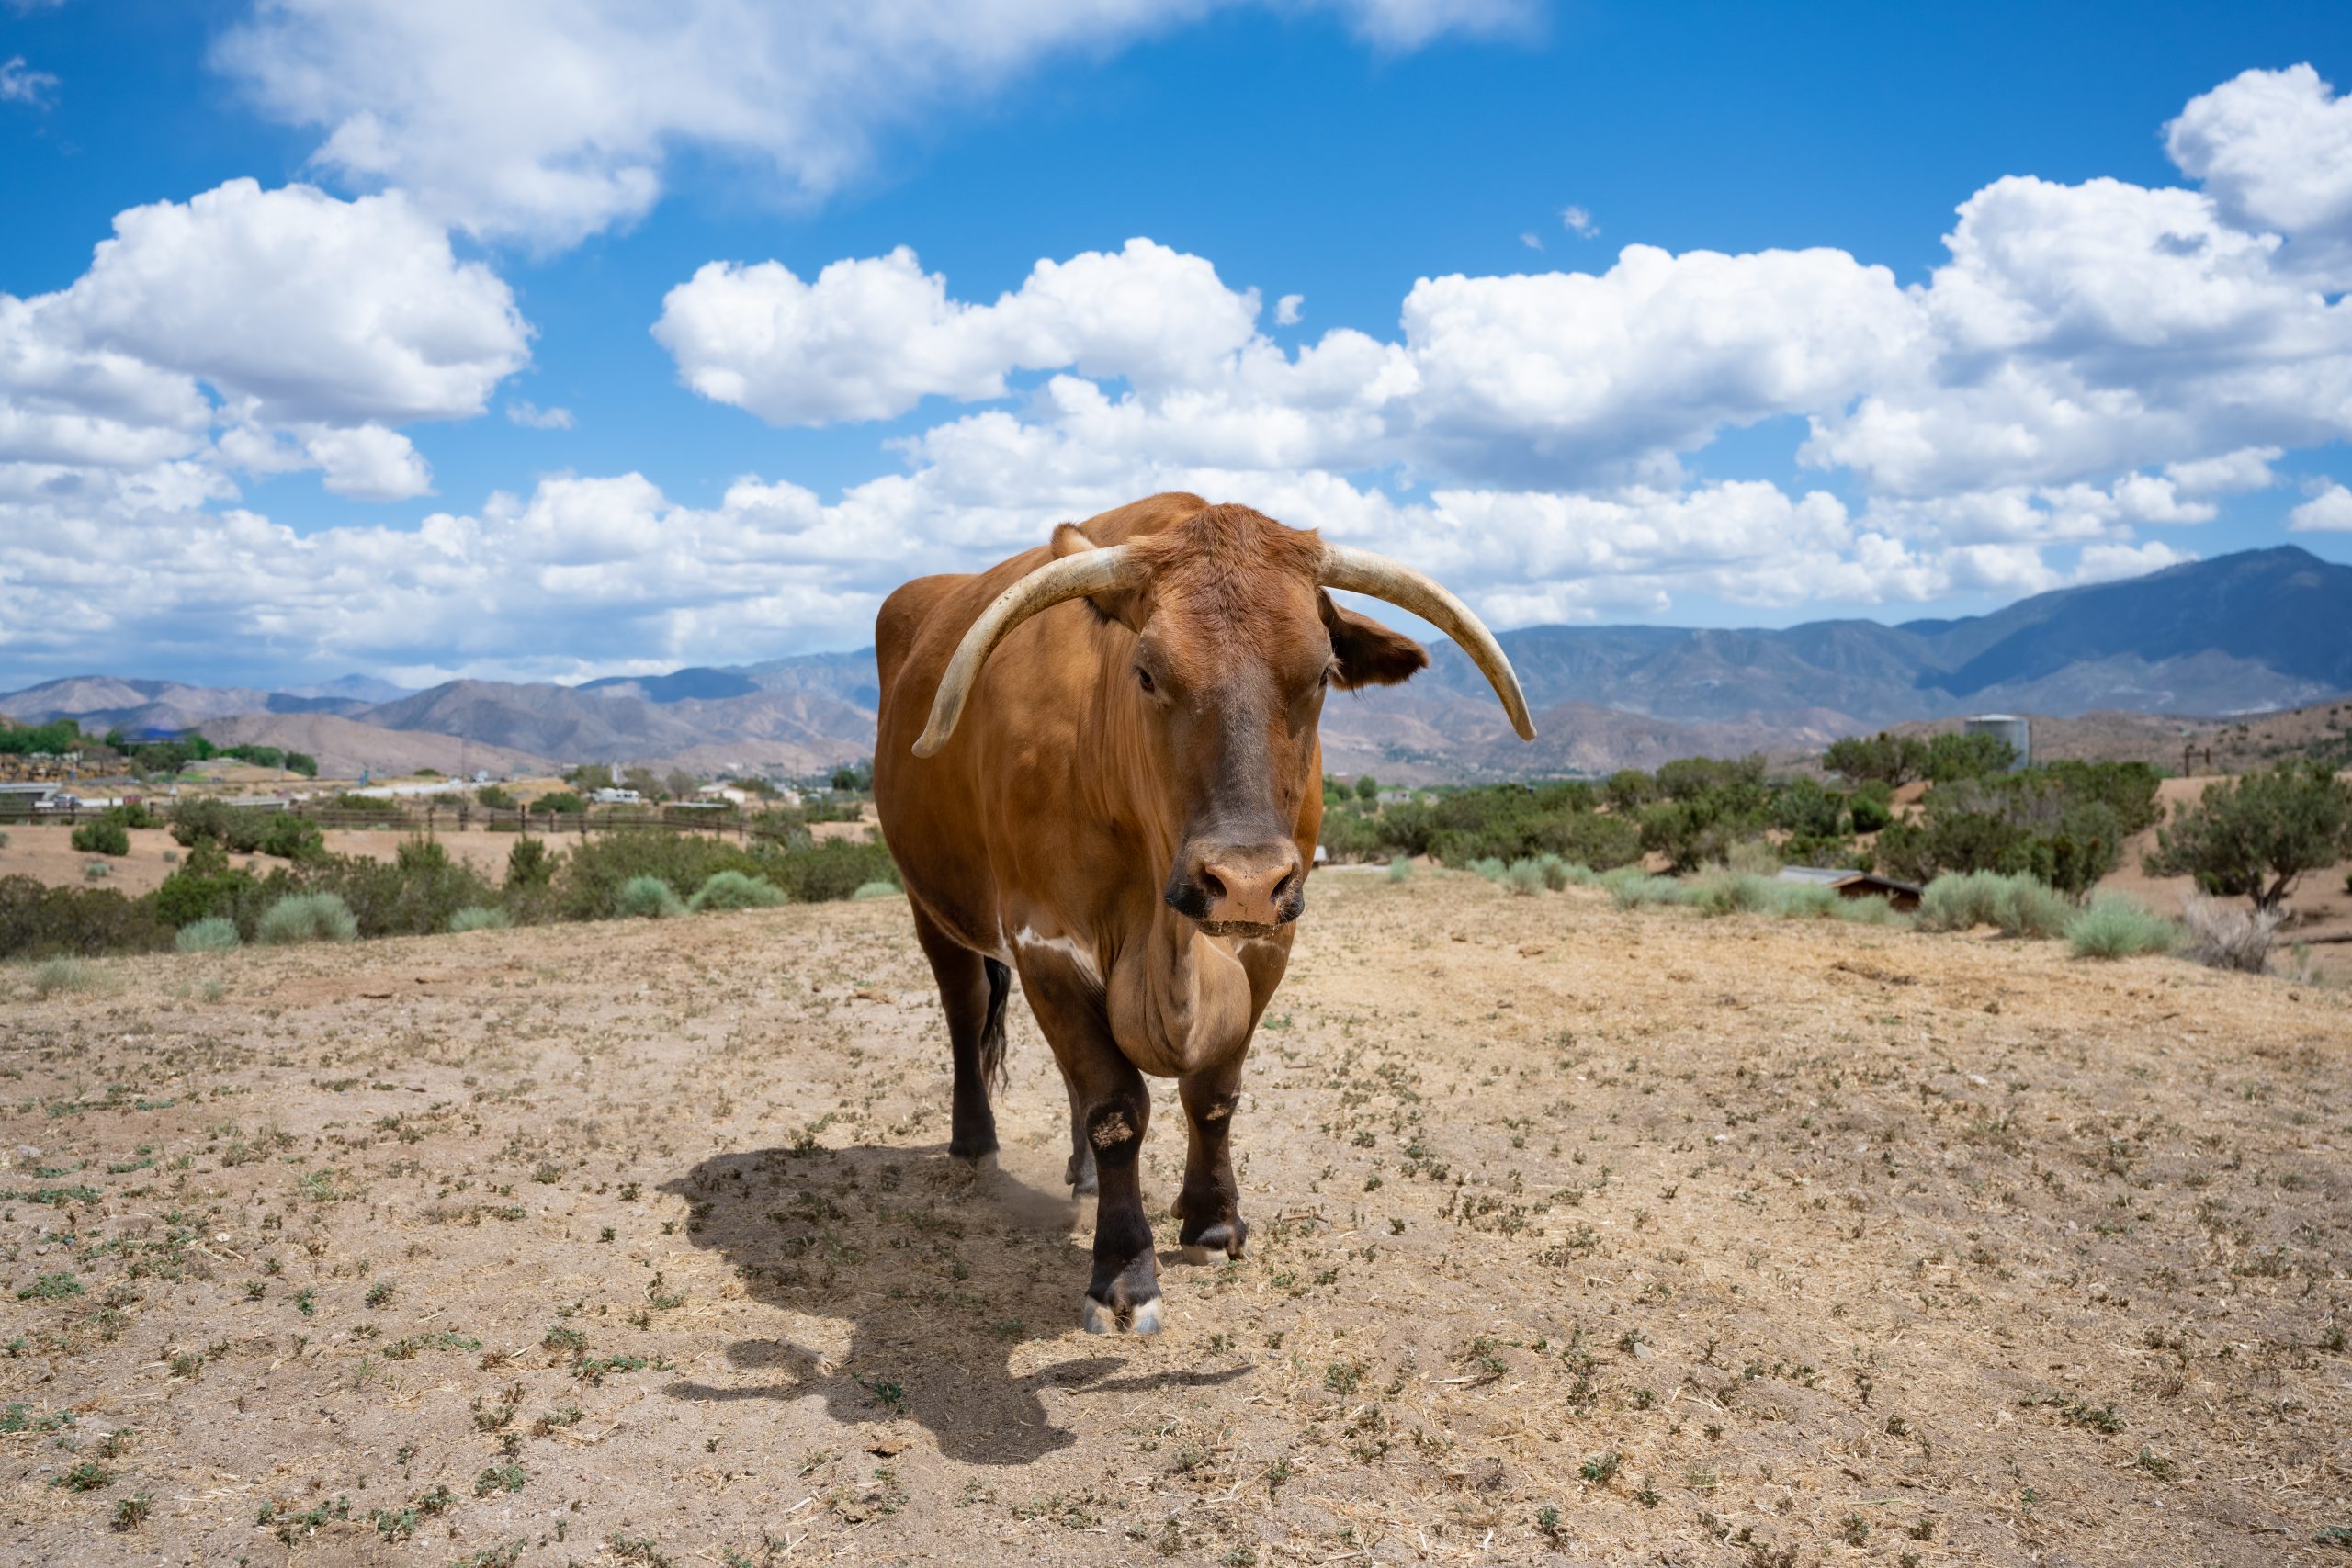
(1216, 1243)
(1080, 1175)
(1099, 1319)
(979, 1164)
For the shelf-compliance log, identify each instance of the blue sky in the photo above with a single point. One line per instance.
(274, 436)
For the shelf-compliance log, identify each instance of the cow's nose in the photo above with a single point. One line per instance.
(1259, 888)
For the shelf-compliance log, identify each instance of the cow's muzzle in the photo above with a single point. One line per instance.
(1234, 890)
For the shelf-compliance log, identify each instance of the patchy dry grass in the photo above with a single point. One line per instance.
(1583, 1234)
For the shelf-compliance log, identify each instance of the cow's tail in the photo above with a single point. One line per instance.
(992, 1071)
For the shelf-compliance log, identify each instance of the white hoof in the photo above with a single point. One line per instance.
(1096, 1318)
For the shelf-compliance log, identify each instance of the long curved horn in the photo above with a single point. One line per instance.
(1361, 571)
(1072, 577)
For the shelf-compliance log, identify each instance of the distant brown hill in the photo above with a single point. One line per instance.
(347, 747)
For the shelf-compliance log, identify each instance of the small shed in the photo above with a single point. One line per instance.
(1850, 884)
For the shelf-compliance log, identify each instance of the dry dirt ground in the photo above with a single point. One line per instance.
(1582, 1237)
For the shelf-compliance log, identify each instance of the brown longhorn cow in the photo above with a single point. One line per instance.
(1098, 763)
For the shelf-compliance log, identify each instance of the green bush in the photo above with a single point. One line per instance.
(2018, 904)
(1870, 808)
(205, 885)
(479, 917)
(2254, 836)
(1400, 867)
(1810, 901)
(562, 802)
(1637, 892)
(307, 917)
(876, 890)
(1554, 870)
(247, 830)
(96, 871)
(1524, 877)
(1732, 891)
(2112, 926)
(416, 893)
(1349, 837)
(733, 890)
(39, 921)
(104, 836)
(646, 897)
(4, 840)
(216, 935)
(1490, 867)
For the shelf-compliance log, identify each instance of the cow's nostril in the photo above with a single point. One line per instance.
(1212, 885)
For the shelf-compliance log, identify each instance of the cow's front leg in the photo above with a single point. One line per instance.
(1209, 1206)
(1112, 1109)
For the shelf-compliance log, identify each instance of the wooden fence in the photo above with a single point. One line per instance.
(434, 818)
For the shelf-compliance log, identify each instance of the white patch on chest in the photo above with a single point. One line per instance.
(1079, 959)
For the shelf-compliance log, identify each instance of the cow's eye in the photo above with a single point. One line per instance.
(1331, 672)
(1143, 679)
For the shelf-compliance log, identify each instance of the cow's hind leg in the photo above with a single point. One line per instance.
(972, 990)
(1208, 1208)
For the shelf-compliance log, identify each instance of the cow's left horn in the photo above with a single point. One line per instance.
(1072, 577)
(1361, 571)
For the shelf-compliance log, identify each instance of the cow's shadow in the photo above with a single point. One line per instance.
(941, 1274)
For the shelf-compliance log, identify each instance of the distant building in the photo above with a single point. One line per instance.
(617, 797)
(1850, 884)
(2015, 729)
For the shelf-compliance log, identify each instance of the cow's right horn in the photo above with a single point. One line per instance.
(1076, 576)
(1361, 571)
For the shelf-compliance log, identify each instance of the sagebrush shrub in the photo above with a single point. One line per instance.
(217, 933)
(103, 836)
(2114, 926)
(647, 898)
(1731, 891)
(1488, 867)
(734, 890)
(2019, 905)
(876, 890)
(67, 974)
(1635, 892)
(479, 917)
(1524, 877)
(307, 917)
(1400, 868)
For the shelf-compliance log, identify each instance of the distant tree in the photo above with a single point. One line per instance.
(855, 779)
(1950, 757)
(495, 798)
(2255, 836)
(645, 783)
(1891, 760)
(680, 785)
(590, 776)
(1367, 787)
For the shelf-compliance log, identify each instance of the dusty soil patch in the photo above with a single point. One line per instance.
(1581, 1237)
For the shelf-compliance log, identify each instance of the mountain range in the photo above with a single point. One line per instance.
(2256, 631)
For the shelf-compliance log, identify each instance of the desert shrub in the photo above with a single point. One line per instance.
(1627, 790)
(646, 897)
(495, 798)
(416, 893)
(39, 921)
(2223, 937)
(1554, 870)
(104, 835)
(307, 917)
(831, 869)
(1871, 911)
(4, 840)
(1964, 756)
(72, 975)
(1349, 837)
(1808, 901)
(96, 871)
(1731, 891)
(2018, 904)
(2255, 836)
(1870, 808)
(217, 933)
(876, 890)
(733, 890)
(205, 885)
(1637, 892)
(1753, 857)
(1400, 868)
(2014, 824)
(1509, 822)
(1524, 877)
(479, 917)
(1803, 809)
(2114, 926)
(246, 829)
(562, 802)
(1490, 867)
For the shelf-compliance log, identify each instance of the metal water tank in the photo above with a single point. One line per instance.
(2012, 728)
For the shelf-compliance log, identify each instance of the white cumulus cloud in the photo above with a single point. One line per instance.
(551, 119)
(2329, 512)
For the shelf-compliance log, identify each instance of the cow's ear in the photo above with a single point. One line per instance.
(1369, 653)
(1070, 540)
